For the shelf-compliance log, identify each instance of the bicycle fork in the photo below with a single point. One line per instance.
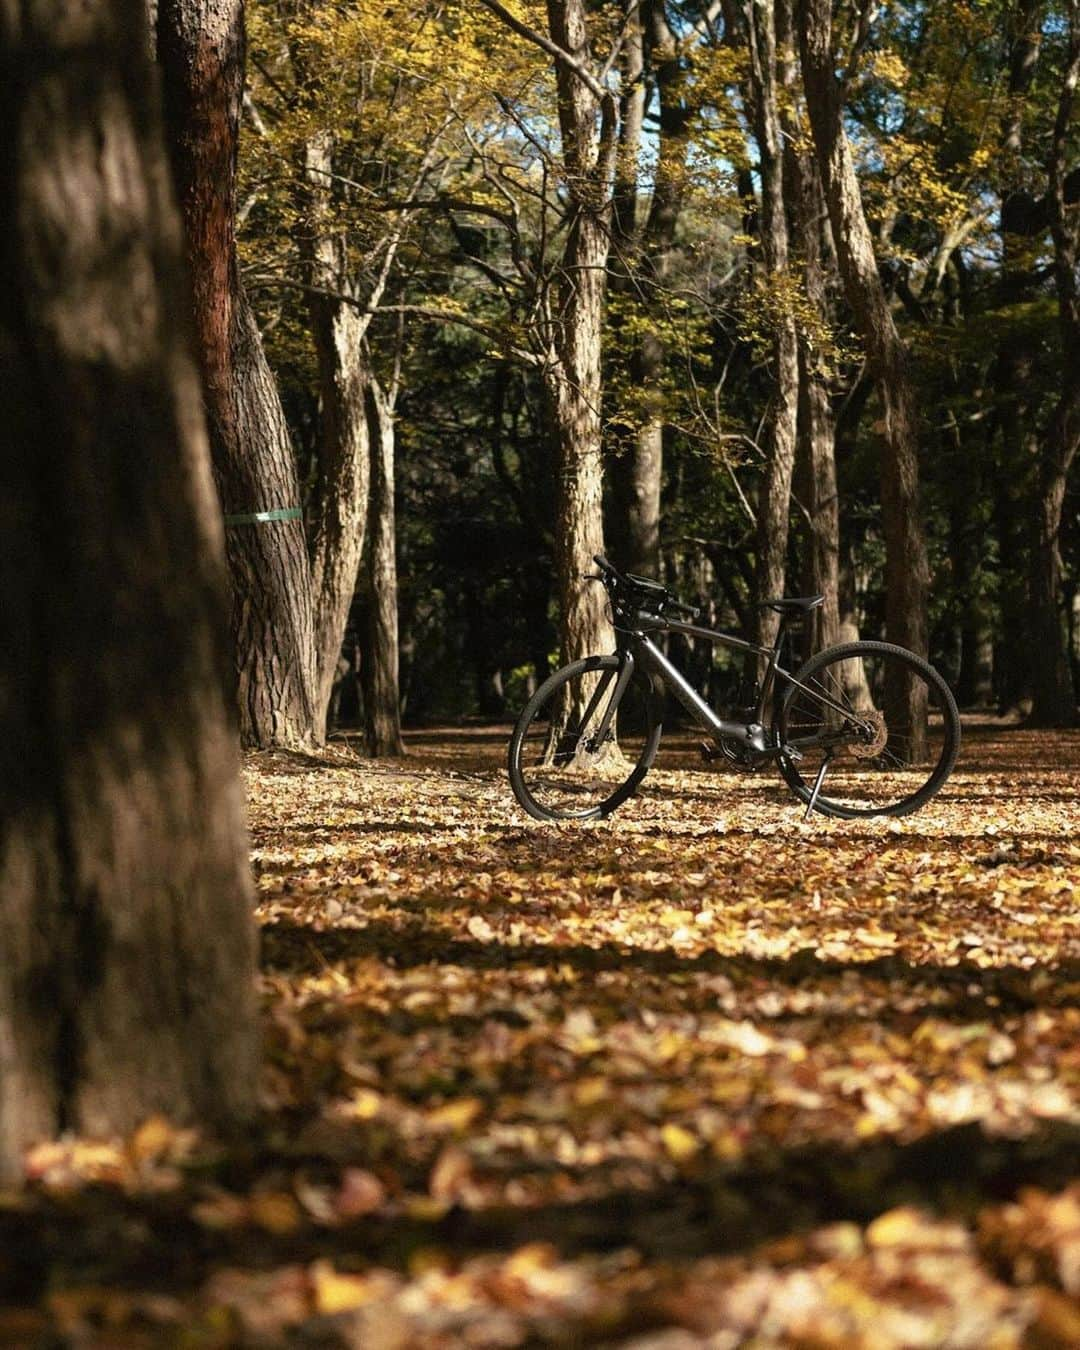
(626, 672)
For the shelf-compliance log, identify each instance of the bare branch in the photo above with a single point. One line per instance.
(498, 339)
(557, 53)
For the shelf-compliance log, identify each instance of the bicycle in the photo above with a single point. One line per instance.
(874, 719)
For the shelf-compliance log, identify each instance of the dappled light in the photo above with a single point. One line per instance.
(703, 1067)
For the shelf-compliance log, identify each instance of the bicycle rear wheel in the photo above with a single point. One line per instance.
(891, 730)
(563, 763)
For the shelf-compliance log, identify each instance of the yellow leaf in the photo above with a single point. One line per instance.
(456, 1115)
(152, 1139)
(590, 1091)
(533, 1256)
(276, 1211)
(680, 1144)
(675, 918)
(728, 1147)
(336, 1293)
(903, 1227)
(364, 1104)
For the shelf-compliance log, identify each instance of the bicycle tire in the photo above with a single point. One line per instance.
(563, 799)
(796, 775)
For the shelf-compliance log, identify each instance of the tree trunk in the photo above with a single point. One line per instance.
(379, 662)
(774, 502)
(126, 984)
(1054, 703)
(906, 566)
(344, 438)
(1054, 697)
(1014, 663)
(200, 45)
(573, 382)
(640, 268)
(817, 429)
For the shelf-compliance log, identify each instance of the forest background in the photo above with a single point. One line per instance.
(518, 309)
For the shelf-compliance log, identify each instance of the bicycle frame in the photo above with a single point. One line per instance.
(636, 647)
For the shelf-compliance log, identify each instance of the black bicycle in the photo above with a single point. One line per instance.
(862, 729)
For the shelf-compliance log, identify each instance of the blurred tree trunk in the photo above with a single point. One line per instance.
(771, 73)
(1054, 697)
(200, 46)
(126, 984)
(344, 462)
(906, 565)
(379, 663)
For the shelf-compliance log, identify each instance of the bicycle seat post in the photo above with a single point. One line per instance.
(769, 677)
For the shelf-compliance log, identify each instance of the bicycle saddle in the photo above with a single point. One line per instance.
(802, 604)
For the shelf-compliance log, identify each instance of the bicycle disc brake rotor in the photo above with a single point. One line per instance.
(874, 746)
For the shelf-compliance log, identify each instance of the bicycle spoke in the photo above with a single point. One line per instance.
(581, 743)
(881, 688)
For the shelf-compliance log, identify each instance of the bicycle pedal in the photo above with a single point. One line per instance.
(791, 753)
(708, 752)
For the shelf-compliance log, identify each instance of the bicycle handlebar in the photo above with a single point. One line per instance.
(605, 566)
(609, 570)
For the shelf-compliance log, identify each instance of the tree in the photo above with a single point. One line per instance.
(816, 448)
(350, 107)
(906, 566)
(569, 336)
(1054, 697)
(126, 986)
(643, 243)
(200, 46)
(769, 35)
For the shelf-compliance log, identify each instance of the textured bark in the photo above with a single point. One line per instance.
(906, 566)
(768, 76)
(1054, 697)
(573, 380)
(639, 477)
(338, 331)
(128, 951)
(641, 266)
(1014, 663)
(817, 430)
(200, 45)
(379, 664)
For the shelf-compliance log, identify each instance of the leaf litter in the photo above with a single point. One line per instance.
(703, 1074)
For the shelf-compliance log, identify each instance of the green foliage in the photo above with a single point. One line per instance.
(438, 103)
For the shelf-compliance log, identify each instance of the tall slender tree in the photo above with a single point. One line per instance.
(201, 45)
(769, 34)
(643, 242)
(816, 447)
(570, 333)
(906, 565)
(126, 983)
(1054, 697)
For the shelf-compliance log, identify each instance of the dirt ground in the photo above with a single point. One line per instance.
(703, 1074)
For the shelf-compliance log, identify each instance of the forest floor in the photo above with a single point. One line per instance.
(699, 1075)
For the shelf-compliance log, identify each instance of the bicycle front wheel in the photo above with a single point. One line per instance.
(584, 741)
(886, 722)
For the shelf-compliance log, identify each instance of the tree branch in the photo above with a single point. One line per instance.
(557, 53)
(422, 311)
